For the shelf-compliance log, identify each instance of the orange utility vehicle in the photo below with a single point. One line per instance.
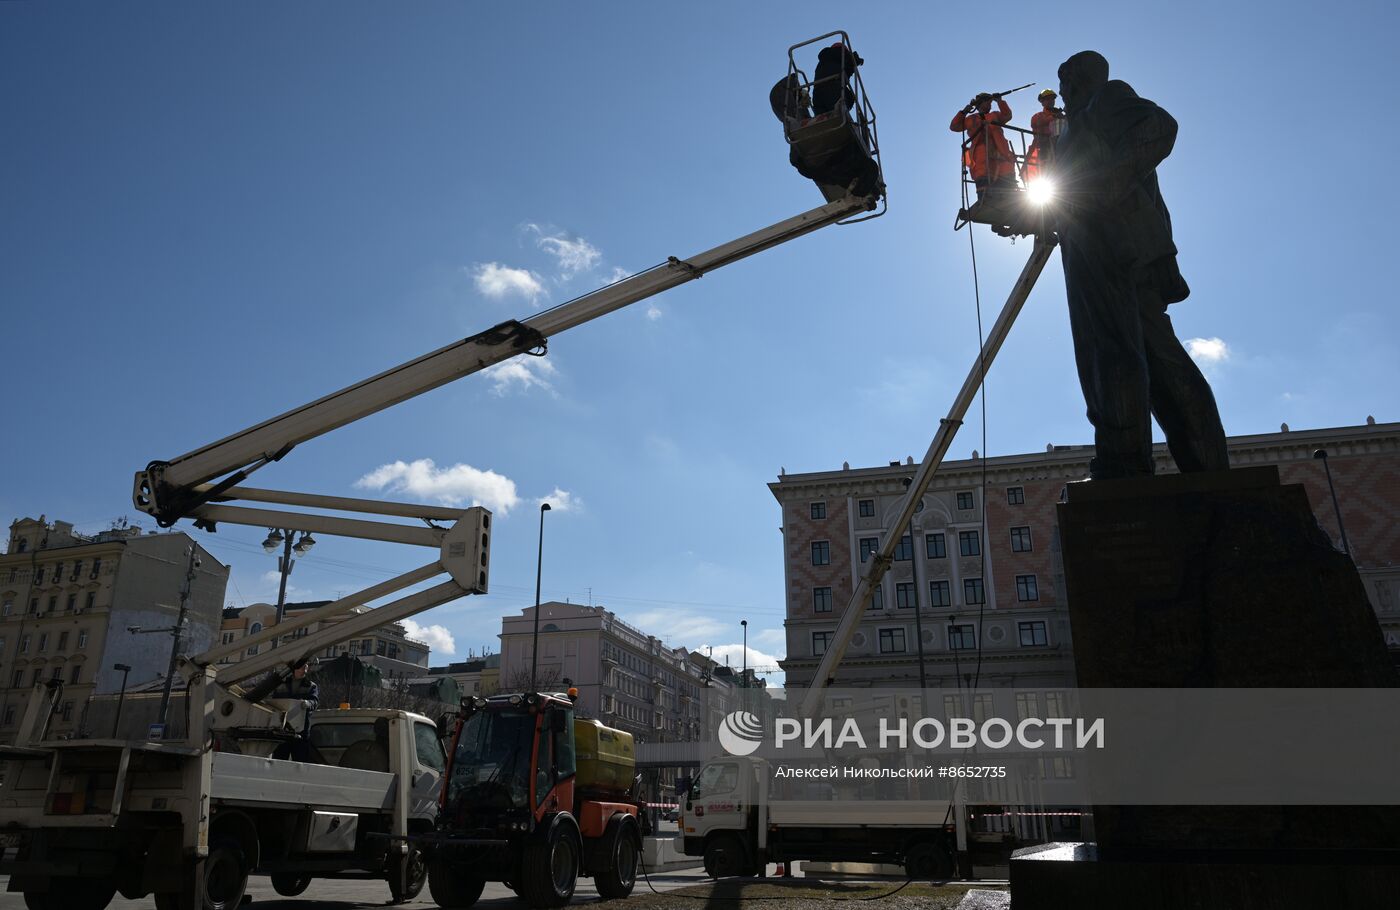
(535, 798)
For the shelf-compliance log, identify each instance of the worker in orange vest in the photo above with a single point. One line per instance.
(1045, 128)
(988, 157)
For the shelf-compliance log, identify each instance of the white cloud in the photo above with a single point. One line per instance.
(454, 486)
(653, 312)
(683, 628)
(1208, 351)
(437, 637)
(521, 372)
(500, 281)
(618, 273)
(574, 254)
(735, 653)
(561, 501)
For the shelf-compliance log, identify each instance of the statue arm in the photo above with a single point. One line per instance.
(1147, 140)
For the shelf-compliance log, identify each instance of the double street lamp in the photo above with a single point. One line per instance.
(275, 539)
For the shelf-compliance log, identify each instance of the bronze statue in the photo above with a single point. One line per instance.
(1120, 276)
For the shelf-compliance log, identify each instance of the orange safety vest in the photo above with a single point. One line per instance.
(988, 153)
(1045, 126)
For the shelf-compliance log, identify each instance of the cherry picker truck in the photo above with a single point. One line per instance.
(189, 816)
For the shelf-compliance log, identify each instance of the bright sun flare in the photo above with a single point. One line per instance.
(1041, 191)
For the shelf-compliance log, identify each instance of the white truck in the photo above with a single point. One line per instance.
(88, 818)
(729, 817)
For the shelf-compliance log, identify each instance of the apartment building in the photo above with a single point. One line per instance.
(74, 607)
(976, 590)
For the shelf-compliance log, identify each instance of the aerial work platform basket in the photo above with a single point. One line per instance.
(829, 123)
(1017, 203)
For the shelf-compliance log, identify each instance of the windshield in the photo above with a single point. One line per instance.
(715, 779)
(491, 767)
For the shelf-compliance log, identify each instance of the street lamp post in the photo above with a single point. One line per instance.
(123, 669)
(284, 564)
(1321, 455)
(539, 575)
(744, 675)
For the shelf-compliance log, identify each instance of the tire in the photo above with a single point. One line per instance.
(549, 868)
(928, 861)
(726, 857)
(290, 884)
(225, 877)
(617, 855)
(450, 888)
(414, 879)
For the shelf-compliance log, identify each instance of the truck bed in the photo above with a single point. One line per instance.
(265, 781)
(827, 814)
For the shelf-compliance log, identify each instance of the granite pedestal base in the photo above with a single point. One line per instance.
(1215, 580)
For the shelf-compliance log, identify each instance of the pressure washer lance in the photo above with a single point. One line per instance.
(995, 96)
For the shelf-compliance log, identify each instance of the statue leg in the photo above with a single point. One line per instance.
(1108, 351)
(1181, 397)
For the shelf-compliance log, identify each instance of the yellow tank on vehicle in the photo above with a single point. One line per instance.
(606, 757)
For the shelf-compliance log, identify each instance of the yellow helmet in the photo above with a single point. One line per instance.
(1050, 92)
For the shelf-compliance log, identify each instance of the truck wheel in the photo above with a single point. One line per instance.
(549, 868)
(725, 857)
(289, 884)
(414, 866)
(225, 877)
(450, 887)
(927, 861)
(618, 851)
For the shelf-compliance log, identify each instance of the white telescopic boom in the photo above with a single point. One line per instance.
(942, 440)
(167, 489)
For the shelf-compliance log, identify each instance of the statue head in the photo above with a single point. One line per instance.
(1080, 77)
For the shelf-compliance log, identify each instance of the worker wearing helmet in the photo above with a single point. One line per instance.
(986, 154)
(1046, 125)
(836, 65)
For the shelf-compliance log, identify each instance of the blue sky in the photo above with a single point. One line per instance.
(210, 213)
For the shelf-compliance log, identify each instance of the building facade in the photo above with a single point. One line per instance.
(388, 648)
(976, 590)
(69, 603)
(626, 678)
(475, 676)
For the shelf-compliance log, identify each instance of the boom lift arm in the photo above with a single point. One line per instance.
(204, 484)
(175, 489)
(923, 477)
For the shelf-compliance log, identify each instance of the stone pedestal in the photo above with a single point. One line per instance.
(1213, 580)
